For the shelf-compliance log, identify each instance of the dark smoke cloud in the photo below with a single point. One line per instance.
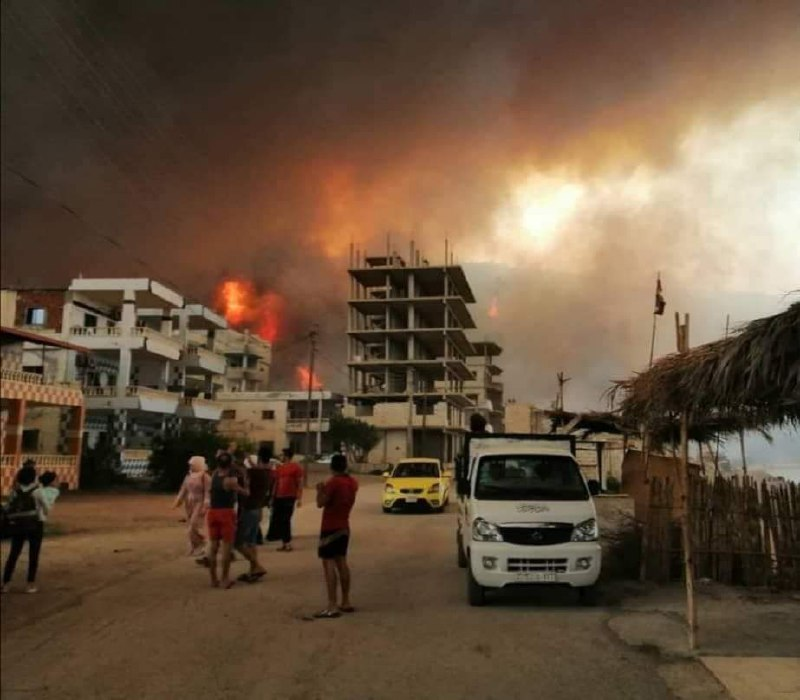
(261, 138)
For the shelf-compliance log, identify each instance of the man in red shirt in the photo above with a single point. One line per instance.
(288, 492)
(336, 497)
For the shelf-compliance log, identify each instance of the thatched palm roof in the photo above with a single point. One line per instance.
(752, 377)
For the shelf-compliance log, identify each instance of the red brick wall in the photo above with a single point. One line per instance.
(50, 300)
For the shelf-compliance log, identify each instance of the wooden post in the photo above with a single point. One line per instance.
(686, 501)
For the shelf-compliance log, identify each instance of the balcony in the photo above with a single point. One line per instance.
(202, 409)
(137, 338)
(37, 388)
(203, 360)
(298, 425)
(131, 398)
(251, 374)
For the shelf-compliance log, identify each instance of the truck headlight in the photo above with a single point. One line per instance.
(585, 531)
(484, 531)
(389, 488)
(434, 489)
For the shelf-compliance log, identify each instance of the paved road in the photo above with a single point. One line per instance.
(160, 632)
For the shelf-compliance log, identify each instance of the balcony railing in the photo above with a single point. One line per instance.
(299, 424)
(14, 375)
(43, 461)
(97, 332)
(130, 392)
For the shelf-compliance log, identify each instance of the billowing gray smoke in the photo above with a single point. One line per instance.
(201, 139)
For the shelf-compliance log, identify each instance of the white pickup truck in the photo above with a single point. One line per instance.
(525, 515)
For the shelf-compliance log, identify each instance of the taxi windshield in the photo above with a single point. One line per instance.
(416, 470)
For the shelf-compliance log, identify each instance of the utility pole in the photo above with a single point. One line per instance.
(562, 380)
(312, 351)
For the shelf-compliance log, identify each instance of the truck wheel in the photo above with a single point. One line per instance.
(476, 594)
(462, 558)
(589, 596)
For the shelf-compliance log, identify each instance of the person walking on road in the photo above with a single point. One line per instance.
(336, 497)
(226, 484)
(287, 493)
(249, 520)
(194, 496)
(27, 513)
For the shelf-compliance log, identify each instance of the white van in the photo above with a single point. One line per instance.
(526, 515)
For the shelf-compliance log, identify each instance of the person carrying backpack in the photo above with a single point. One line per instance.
(26, 513)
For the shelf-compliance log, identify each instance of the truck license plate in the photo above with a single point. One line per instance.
(536, 577)
(411, 500)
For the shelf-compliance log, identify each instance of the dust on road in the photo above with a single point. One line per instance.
(143, 623)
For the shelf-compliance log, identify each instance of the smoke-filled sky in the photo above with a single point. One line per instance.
(568, 150)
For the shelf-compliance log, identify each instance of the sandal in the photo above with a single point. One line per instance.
(327, 614)
(347, 609)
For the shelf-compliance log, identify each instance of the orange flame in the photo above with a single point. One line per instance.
(304, 376)
(244, 306)
(493, 310)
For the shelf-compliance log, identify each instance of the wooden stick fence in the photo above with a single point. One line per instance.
(744, 533)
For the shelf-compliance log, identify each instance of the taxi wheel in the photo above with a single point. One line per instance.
(387, 510)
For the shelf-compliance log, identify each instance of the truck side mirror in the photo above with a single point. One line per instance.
(594, 487)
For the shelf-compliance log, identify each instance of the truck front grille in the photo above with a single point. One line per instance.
(555, 566)
(559, 533)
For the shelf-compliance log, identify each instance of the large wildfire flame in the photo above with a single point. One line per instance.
(245, 307)
(304, 376)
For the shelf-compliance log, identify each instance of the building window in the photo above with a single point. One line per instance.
(89, 321)
(33, 369)
(35, 317)
(267, 415)
(228, 414)
(30, 440)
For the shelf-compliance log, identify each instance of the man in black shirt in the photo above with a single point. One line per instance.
(249, 521)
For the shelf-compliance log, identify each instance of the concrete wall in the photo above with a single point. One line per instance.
(525, 418)
(8, 307)
(52, 301)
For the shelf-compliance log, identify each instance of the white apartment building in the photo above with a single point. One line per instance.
(486, 390)
(154, 360)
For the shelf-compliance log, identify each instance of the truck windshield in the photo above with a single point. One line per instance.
(416, 470)
(529, 478)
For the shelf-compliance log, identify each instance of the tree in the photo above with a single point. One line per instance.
(100, 467)
(357, 436)
(169, 461)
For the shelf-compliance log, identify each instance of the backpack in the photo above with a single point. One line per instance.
(22, 508)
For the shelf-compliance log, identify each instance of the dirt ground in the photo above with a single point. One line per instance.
(124, 613)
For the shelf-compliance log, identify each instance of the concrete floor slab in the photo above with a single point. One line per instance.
(754, 678)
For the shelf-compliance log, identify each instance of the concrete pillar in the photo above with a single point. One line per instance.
(74, 436)
(127, 323)
(12, 441)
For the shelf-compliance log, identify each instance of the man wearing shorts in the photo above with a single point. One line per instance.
(336, 497)
(226, 484)
(250, 516)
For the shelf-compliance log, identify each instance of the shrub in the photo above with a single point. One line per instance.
(613, 485)
(100, 468)
(622, 550)
(170, 457)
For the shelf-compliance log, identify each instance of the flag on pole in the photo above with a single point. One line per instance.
(660, 302)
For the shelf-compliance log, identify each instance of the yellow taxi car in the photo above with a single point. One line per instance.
(414, 482)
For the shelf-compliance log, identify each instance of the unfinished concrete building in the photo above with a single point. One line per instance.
(408, 353)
